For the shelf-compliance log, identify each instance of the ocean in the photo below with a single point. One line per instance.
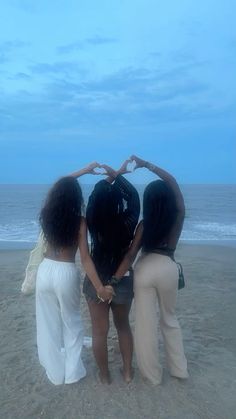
(210, 213)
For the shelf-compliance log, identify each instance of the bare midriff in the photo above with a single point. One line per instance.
(66, 254)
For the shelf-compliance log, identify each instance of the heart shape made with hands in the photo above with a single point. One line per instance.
(131, 166)
(100, 171)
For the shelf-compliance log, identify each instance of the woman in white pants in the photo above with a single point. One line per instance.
(156, 276)
(58, 319)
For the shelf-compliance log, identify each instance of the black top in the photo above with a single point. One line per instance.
(164, 250)
(105, 259)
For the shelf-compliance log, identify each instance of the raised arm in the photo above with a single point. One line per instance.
(112, 173)
(129, 194)
(167, 177)
(179, 200)
(104, 293)
(88, 170)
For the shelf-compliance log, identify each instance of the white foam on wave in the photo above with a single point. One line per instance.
(24, 231)
(217, 227)
(209, 231)
(27, 231)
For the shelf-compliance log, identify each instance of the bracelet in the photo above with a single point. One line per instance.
(150, 166)
(100, 298)
(114, 280)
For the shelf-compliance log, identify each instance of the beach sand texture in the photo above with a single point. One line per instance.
(207, 313)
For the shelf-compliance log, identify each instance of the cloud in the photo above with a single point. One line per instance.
(99, 40)
(28, 6)
(70, 101)
(20, 76)
(129, 98)
(66, 68)
(7, 49)
(143, 87)
(78, 45)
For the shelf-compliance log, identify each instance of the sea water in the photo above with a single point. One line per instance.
(210, 212)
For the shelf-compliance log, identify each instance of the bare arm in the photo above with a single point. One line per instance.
(173, 185)
(130, 256)
(129, 194)
(167, 177)
(105, 293)
(88, 170)
(112, 174)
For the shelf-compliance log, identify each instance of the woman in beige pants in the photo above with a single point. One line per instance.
(156, 276)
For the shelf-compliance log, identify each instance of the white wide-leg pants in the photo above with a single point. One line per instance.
(156, 280)
(58, 319)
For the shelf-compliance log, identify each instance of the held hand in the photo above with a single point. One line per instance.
(109, 171)
(105, 293)
(109, 288)
(124, 167)
(139, 162)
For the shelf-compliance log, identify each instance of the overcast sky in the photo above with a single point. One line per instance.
(100, 80)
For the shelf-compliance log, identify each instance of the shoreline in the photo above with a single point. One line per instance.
(24, 245)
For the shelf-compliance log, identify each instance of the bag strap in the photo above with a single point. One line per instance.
(180, 268)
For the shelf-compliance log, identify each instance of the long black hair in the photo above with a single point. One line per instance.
(110, 236)
(159, 214)
(61, 214)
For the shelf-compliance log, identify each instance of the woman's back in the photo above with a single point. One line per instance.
(60, 219)
(112, 215)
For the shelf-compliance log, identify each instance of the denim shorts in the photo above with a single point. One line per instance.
(123, 290)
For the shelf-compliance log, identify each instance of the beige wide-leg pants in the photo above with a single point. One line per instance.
(156, 280)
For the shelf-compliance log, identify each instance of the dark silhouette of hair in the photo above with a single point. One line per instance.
(159, 214)
(61, 214)
(110, 235)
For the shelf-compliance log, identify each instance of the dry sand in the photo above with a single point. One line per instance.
(207, 313)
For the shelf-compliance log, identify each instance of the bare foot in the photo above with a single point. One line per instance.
(127, 375)
(105, 379)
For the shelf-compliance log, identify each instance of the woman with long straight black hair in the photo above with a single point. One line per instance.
(156, 275)
(112, 215)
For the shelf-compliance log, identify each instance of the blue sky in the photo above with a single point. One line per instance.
(84, 81)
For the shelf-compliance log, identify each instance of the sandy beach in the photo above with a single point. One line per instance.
(207, 312)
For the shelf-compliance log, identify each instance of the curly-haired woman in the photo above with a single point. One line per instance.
(59, 326)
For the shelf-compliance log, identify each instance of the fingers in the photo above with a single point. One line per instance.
(139, 162)
(126, 162)
(109, 171)
(94, 164)
(105, 166)
(93, 172)
(106, 293)
(110, 288)
(111, 292)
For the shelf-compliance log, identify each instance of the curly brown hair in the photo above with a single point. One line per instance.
(61, 214)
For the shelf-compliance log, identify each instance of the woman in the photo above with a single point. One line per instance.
(112, 215)
(156, 275)
(59, 326)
